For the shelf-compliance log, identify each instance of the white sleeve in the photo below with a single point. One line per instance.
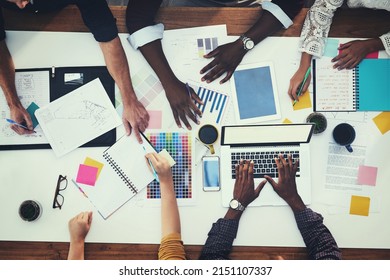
(277, 12)
(317, 25)
(385, 38)
(146, 35)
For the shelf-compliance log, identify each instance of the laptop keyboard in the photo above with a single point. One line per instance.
(264, 162)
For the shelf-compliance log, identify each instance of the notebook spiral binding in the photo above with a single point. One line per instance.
(120, 172)
(355, 81)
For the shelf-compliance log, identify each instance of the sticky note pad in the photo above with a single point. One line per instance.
(360, 205)
(382, 122)
(331, 47)
(155, 119)
(374, 55)
(91, 162)
(287, 121)
(87, 175)
(304, 101)
(367, 175)
(31, 111)
(164, 153)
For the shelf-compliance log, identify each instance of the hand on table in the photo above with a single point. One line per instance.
(244, 190)
(352, 53)
(135, 119)
(226, 59)
(21, 116)
(79, 227)
(182, 104)
(286, 186)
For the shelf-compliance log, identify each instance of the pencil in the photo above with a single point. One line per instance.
(302, 84)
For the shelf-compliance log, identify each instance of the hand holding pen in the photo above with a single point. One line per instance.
(15, 125)
(299, 83)
(160, 166)
(300, 89)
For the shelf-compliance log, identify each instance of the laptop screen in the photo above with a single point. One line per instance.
(266, 134)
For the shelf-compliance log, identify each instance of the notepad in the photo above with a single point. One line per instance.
(364, 88)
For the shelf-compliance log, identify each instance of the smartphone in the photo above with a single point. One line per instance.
(211, 176)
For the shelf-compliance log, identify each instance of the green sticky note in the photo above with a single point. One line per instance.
(31, 111)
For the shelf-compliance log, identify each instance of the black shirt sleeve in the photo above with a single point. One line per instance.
(290, 7)
(2, 29)
(141, 13)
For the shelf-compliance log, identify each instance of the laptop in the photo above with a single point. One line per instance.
(262, 143)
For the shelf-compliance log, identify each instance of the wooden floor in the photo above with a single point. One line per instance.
(347, 23)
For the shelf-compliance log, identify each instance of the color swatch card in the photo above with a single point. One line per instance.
(180, 146)
(255, 94)
(214, 104)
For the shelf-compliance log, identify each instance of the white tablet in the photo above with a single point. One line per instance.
(254, 92)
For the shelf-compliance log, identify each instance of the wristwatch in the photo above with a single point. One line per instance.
(247, 42)
(236, 205)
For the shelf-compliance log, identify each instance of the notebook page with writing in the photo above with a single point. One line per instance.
(374, 85)
(333, 89)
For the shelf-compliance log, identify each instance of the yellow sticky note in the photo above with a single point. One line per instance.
(304, 101)
(360, 205)
(91, 162)
(382, 121)
(287, 121)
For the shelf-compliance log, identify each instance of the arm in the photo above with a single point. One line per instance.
(78, 229)
(171, 245)
(135, 117)
(147, 38)
(222, 234)
(227, 57)
(318, 239)
(312, 40)
(7, 82)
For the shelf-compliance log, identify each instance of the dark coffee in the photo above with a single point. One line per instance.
(344, 134)
(208, 134)
(30, 210)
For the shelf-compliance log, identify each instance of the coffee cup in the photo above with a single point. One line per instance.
(344, 134)
(208, 135)
(30, 210)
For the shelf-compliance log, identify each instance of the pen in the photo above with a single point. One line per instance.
(302, 84)
(80, 189)
(151, 165)
(20, 125)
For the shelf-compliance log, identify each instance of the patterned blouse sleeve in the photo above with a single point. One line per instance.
(316, 26)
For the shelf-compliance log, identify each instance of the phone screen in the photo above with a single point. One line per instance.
(211, 180)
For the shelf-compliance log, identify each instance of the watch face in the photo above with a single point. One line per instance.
(234, 204)
(249, 44)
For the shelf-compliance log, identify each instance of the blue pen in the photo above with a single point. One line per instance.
(151, 165)
(20, 125)
(302, 84)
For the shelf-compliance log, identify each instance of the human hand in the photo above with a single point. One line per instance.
(21, 116)
(162, 167)
(135, 119)
(226, 59)
(182, 104)
(296, 81)
(79, 227)
(352, 53)
(244, 190)
(286, 187)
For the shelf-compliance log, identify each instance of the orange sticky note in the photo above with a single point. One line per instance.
(360, 205)
(304, 101)
(94, 163)
(287, 121)
(382, 121)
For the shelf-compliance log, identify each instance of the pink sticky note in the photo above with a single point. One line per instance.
(373, 55)
(367, 175)
(87, 175)
(155, 120)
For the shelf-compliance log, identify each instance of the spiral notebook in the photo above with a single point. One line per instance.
(364, 88)
(124, 174)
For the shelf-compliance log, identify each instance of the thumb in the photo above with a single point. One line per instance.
(271, 181)
(260, 187)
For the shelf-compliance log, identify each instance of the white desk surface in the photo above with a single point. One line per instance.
(32, 174)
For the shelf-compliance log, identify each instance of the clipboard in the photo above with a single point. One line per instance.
(63, 80)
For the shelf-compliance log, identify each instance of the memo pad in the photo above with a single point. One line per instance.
(254, 93)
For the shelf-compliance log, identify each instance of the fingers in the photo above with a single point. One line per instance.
(250, 171)
(90, 214)
(28, 122)
(212, 53)
(271, 181)
(208, 67)
(127, 126)
(176, 117)
(295, 167)
(260, 187)
(244, 171)
(227, 77)
(215, 73)
(137, 134)
(183, 118)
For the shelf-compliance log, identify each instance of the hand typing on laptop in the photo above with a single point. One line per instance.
(286, 187)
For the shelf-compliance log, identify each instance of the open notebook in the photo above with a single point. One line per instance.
(364, 88)
(124, 174)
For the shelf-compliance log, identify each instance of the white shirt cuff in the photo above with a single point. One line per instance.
(385, 38)
(278, 13)
(146, 35)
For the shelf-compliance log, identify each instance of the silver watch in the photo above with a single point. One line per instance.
(236, 205)
(247, 42)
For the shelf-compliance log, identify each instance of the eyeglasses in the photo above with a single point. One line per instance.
(62, 183)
